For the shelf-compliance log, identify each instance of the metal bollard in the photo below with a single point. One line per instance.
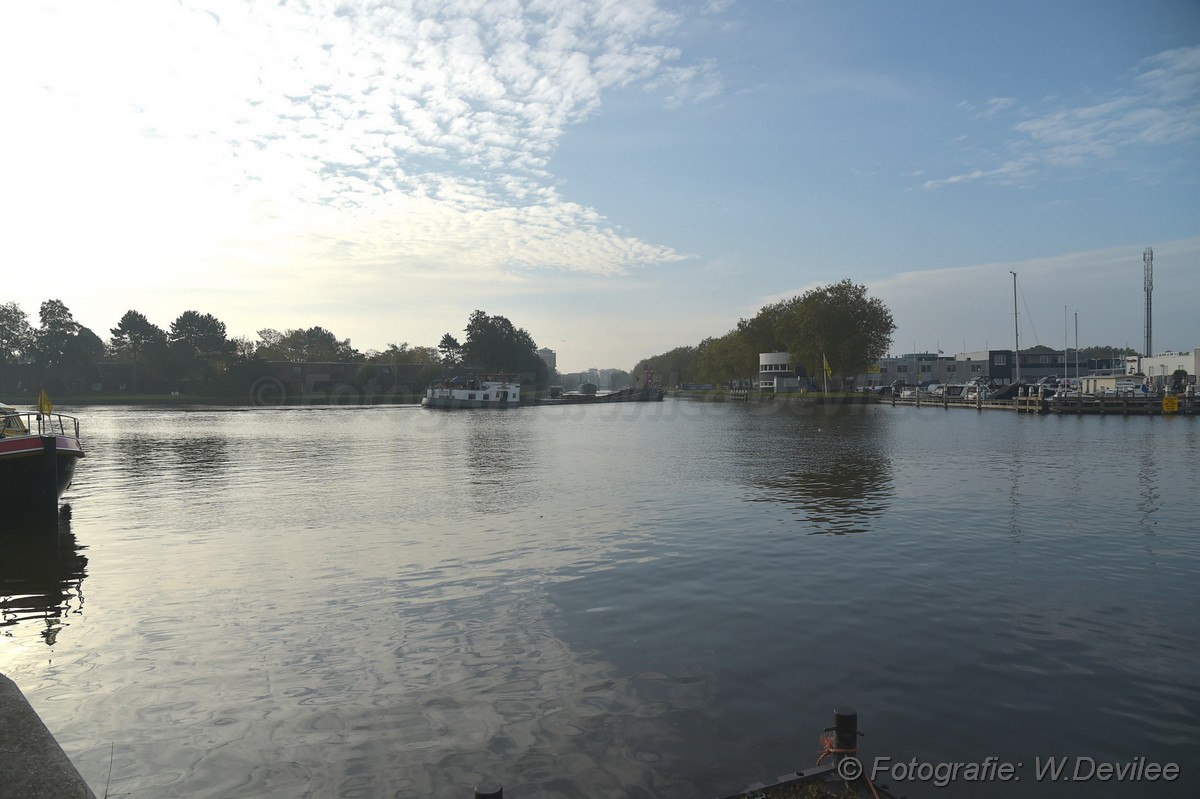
(845, 730)
(489, 790)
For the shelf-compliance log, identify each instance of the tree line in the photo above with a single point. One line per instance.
(837, 324)
(195, 354)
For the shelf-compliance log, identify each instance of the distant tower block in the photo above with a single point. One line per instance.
(1148, 263)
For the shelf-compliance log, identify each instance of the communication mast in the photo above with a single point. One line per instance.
(1148, 262)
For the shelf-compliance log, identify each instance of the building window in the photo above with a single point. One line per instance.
(1000, 360)
(903, 367)
(951, 368)
(926, 368)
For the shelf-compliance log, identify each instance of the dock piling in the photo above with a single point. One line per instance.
(489, 789)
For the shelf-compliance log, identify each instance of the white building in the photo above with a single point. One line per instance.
(1159, 368)
(549, 356)
(776, 372)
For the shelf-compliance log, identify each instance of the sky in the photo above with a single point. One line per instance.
(617, 177)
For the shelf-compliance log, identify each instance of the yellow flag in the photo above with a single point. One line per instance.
(828, 371)
(44, 404)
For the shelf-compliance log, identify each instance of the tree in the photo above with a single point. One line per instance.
(16, 335)
(137, 334)
(199, 346)
(52, 339)
(838, 323)
(765, 332)
(720, 360)
(669, 367)
(423, 355)
(450, 350)
(494, 344)
(313, 344)
(16, 338)
(64, 349)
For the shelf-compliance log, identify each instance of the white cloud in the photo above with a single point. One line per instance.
(1160, 108)
(416, 135)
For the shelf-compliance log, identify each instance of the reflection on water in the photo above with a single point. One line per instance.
(837, 495)
(832, 470)
(41, 576)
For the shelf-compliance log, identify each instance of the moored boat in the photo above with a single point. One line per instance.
(461, 392)
(38, 453)
(647, 391)
(644, 394)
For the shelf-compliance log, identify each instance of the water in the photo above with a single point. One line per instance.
(661, 600)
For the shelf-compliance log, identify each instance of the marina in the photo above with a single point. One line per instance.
(1033, 403)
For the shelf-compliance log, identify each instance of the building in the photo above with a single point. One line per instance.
(776, 373)
(550, 357)
(1158, 369)
(995, 365)
(309, 377)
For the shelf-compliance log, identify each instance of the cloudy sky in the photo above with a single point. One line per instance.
(619, 177)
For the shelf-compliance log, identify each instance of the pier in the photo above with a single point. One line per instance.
(33, 765)
(1125, 404)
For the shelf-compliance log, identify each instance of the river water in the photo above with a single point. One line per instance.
(659, 600)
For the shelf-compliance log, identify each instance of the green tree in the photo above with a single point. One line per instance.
(669, 368)
(199, 346)
(424, 355)
(765, 332)
(840, 323)
(730, 357)
(450, 350)
(268, 346)
(494, 344)
(313, 344)
(316, 345)
(65, 350)
(137, 335)
(52, 339)
(16, 339)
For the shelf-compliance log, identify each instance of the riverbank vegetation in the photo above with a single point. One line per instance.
(195, 360)
(835, 328)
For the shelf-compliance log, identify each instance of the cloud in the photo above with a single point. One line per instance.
(1160, 108)
(434, 121)
(701, 81)
(1009, 173)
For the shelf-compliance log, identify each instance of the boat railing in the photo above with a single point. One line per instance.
(23, 423)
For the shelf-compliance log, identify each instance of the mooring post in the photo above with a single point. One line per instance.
(489, 790)
(845, 732)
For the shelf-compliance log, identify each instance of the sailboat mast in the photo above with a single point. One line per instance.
(1016, 332)
(1066, 346)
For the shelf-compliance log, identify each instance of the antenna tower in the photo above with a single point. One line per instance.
(1148, 262)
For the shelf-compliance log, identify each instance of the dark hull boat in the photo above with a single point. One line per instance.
(38, 453)
(648, 394)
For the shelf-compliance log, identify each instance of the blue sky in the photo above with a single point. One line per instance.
(619, 178)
